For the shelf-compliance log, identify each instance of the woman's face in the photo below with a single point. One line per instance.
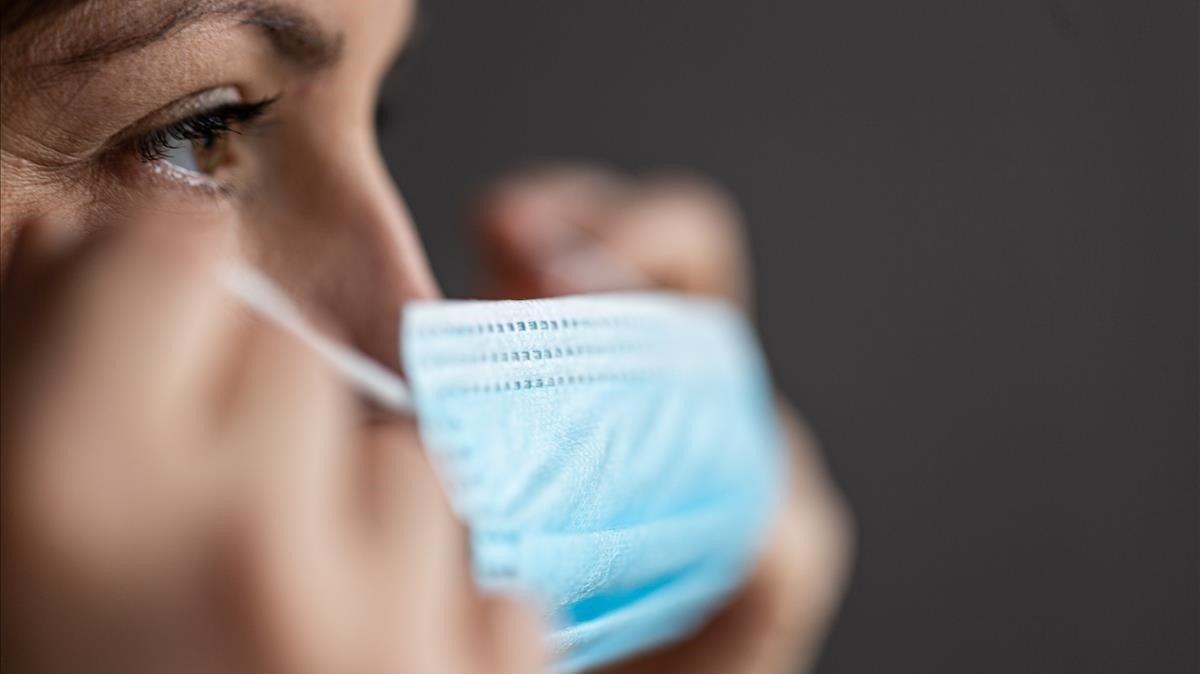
(256, 117)
(251, 115)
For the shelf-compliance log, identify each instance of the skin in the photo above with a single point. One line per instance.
(225, 503)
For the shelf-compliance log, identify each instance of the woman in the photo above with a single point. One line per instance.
(187, 489)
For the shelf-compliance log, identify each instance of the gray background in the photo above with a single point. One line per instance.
(975, 226)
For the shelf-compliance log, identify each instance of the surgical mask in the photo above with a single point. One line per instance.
(615, 457)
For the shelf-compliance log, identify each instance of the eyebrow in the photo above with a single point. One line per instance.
(294, 34)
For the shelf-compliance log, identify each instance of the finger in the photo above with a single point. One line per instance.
(538, 214)
(287, 439)
(288, 412)
(682, 232)
(400, 494)
(128, 319)
(423, 558)
(25, 261)
(561, 230)
(413, 522)
(536, 210)
(90, 389)
(32, 244)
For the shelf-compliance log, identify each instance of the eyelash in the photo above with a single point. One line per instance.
(208, 126)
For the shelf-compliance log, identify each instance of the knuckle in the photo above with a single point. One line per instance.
(695, 201)
(693, 187)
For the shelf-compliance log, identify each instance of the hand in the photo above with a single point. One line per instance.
(188, 489)
(560, 229)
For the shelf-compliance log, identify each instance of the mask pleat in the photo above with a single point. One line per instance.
(614, 456)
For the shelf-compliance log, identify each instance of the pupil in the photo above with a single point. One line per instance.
(209, 153)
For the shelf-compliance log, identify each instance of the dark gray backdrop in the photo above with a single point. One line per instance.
(975, 226)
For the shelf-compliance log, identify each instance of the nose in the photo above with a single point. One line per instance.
(341, 241)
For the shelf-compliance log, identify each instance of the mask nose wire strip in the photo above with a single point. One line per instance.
(258, 293)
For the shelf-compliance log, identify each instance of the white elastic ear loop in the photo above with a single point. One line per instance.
(255, 290)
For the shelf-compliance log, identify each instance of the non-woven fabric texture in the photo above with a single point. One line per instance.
(616, 457)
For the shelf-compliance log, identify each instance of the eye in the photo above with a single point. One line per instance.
(199, 144)
(198, 156)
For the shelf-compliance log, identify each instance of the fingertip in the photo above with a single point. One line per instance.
(27, 246)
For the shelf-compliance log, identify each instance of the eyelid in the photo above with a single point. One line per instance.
(183, 108)
(121, 155)
(211, 123)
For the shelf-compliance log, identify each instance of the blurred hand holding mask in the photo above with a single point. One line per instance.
(615, 456)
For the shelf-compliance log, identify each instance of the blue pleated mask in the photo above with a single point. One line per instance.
(616, 457)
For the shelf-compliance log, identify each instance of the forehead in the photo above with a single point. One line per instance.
(74, 33)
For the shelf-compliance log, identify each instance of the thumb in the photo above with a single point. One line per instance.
(569, 230)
